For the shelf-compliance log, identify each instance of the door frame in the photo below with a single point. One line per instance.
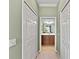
(40, 32)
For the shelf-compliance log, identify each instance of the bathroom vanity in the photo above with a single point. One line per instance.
(48, 40)
(48, 32)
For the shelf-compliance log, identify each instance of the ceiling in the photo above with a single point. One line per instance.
(47, 2)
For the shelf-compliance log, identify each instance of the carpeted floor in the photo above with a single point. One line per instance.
(48, 52)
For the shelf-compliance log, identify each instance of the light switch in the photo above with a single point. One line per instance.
(12, 42)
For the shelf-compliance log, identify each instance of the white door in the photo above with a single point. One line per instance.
(29, 33)
(65, 33)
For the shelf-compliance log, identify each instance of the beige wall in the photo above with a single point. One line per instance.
(47, 11)
(15, 28)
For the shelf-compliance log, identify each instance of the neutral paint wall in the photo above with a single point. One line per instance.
(15, 19)
(48, 11)
(15, 28)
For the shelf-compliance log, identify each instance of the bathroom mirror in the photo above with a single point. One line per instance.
(48, 27)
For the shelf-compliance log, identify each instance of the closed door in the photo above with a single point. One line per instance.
(48, 40)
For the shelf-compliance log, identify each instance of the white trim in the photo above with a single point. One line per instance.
(22, 27)
(46, 33)
(47, 5)
(55, 34)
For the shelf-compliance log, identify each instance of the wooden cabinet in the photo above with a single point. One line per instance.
(48, 40)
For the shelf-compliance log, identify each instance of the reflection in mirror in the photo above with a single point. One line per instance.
(48, 27)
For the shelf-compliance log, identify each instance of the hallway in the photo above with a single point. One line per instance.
(48, 53)
(39, 29)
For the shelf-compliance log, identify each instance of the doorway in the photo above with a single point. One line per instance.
(47, 33)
